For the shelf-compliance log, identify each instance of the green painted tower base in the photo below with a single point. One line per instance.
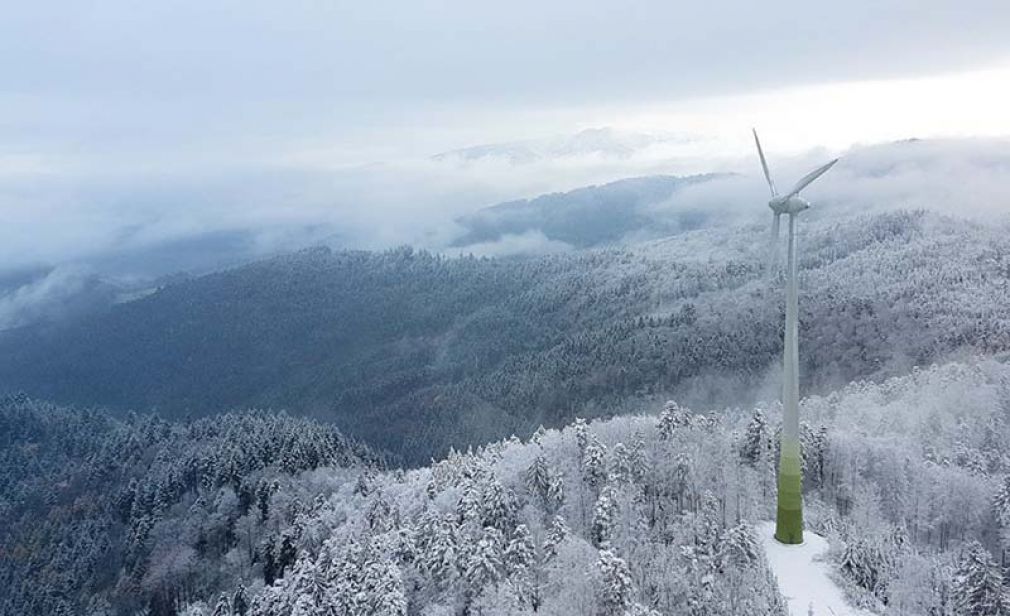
(789, 518)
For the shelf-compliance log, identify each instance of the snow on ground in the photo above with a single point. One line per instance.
(802, 572)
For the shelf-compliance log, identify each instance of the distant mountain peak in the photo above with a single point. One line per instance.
(592, 215)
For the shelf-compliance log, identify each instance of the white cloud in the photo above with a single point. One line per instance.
(519, 244)
(51, 296)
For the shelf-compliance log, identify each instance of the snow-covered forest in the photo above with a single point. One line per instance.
(109, 516)
(650, 513)
(492, 435)
(456, 308)
(655, 513)
(414, 353)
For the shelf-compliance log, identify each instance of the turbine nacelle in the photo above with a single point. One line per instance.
(788, 205)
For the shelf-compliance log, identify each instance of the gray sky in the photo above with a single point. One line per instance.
(125, 124)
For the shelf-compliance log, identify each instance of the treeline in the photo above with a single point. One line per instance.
(103, 515)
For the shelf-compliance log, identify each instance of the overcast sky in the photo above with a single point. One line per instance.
(127, 123)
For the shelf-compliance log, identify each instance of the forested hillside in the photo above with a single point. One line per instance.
(414, 352)
(908, 480)
(137, 515)
(593, 215)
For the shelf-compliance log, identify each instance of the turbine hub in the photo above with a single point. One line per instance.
(788, 205)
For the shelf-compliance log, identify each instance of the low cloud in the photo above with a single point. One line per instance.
(60, 293)
(530, 243)
(966, 177)
(149, 224)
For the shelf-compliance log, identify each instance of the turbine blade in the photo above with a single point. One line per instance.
(764, 163)
(810, 177)
(773, 246)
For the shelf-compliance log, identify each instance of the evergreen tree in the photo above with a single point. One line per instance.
(442, 557)
(382, 586)
(484, 563)
(639, 459)
(520, 552)
(469, 509)
(1001, 502)
(581, 436)
(739, 546)
(538, 435)
(499, 507)
(365, 483)
(870, 561)
(604, 516)
(594, 464)
(286, 553)
(520, 560)
(756, 439)
(620, 465)
(555, 495)
(708, 527)
(556, 533)
(672, 417)
(223, 607)
(979, 584)
(616, 586)
(538, 478)
(240, 601)
(381, 516)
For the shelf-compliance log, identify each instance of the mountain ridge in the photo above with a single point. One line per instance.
(414, 352)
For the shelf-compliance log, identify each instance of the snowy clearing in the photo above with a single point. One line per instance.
(803, 577)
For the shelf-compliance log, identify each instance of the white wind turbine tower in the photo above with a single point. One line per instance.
(789, 517)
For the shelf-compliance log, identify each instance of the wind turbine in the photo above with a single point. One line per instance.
(789, 517)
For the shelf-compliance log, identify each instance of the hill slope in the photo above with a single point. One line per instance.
(107, 516)
(645, 515)
(592, 216)
(413, 352)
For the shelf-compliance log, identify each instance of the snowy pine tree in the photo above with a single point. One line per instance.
(520, 552)
(708, 528)
(538, 478)
(639, 458)
(594, 464)
(223, 607)
(604, 516)
(672, 417)
(739, 546)
(620, 465)
(240, 601)
(484, 563)
(520, 560)
(555, 497)
(440, 549)
(1001, 502)
(469, 508)
(538, 435)
(978, 586)
(616, 586)
(498, 505)
(557, 532)
(756, 439)
(581, 436)
(383, 589)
